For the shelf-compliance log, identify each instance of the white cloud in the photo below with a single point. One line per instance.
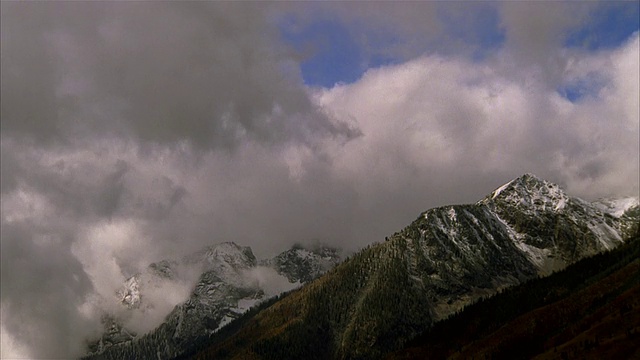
(10, 348)
(442, 121)
(269, 280)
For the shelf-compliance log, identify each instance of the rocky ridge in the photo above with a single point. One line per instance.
(300, 264)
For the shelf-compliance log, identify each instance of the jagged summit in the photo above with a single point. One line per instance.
(303, 264)
(526, 181)
(529, 191)
(227, 252)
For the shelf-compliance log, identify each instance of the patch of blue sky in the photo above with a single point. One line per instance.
(609, 26)
(334, 53)
(578, 89)
(330, 53)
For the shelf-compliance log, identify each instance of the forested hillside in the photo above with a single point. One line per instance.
(591, 310)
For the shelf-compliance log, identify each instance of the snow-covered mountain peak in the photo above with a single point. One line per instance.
(129, 294)
(224, 254)
(529, 191)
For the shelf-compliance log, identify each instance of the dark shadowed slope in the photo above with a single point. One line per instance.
(591, 310)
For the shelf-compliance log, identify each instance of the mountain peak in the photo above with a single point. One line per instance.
(223, 255)
(526, 180)
(305, 263)
(530, 191)
(529, 178)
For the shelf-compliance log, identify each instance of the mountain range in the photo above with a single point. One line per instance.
(230, 281)
(388, 293)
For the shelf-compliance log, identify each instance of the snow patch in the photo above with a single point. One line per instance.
(452, 214)
(616, 207)
(606, 235)
(500, 189)
(541, 258)
(225, 320)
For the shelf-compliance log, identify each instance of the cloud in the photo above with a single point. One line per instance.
(384, 29)
(10, 348)
(43, 286)
(207, 73)
(441, 121)
(385, 33)
(269, 280)
(536, 32)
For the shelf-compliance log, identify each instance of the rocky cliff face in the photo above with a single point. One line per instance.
(300, 264)
(551, 228)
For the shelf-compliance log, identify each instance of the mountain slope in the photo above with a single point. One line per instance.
(589, 310)
(446, 259)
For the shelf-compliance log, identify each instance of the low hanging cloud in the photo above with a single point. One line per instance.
(135, 132)
(268, 279)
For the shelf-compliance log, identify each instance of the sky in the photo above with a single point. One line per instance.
(137, 131)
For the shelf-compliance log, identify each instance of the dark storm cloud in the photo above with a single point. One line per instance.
(43, 285)
(207, 73)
